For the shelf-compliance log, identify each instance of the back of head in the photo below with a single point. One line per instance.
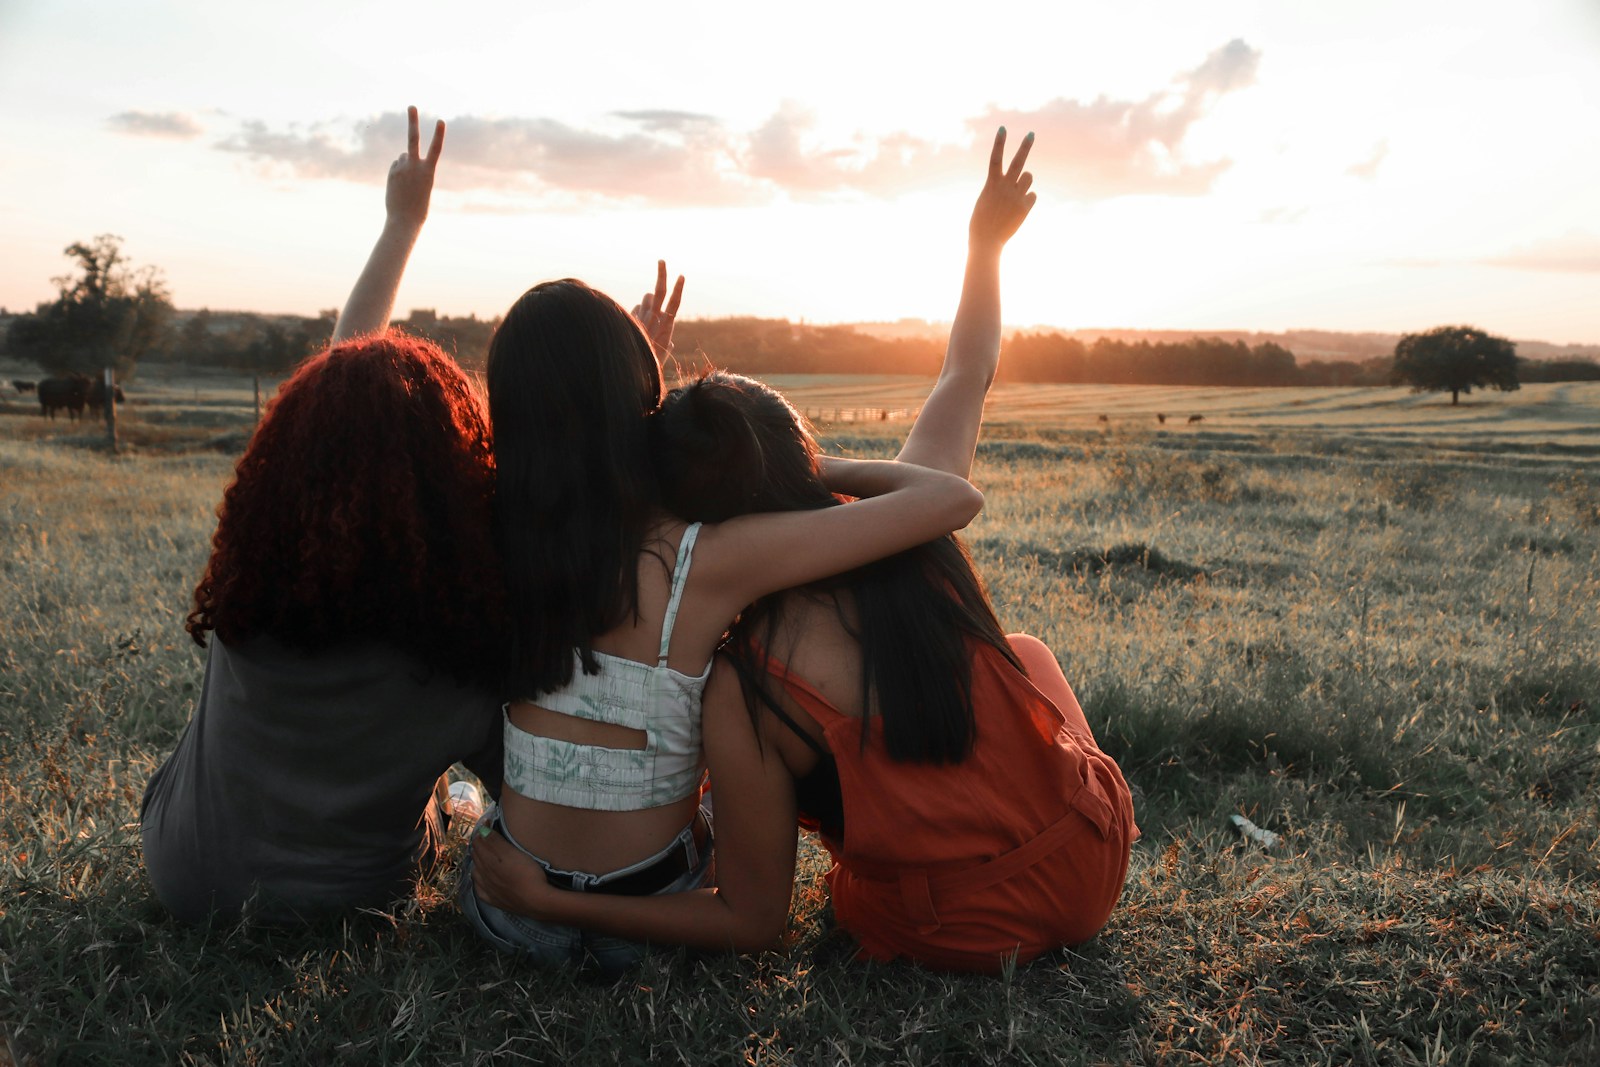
(572, 380)
(726, 445)
(361, 510)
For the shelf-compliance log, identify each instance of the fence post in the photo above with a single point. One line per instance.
(111, 408)
(258, 398)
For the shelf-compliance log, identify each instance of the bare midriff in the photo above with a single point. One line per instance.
(579, 839)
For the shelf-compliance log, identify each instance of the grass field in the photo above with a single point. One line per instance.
(1366, 620)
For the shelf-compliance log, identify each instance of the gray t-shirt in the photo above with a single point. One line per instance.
(305, 784)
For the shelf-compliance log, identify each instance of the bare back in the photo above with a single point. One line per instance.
(581, 839)
(588, 840)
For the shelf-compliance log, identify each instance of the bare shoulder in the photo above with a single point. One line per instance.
(816, 642)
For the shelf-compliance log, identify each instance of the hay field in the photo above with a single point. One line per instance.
(1374, 630)
(1561, 416)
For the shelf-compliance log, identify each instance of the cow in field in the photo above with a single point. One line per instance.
(23, 387)
(97, 397)
(56, 394)
(1162, 419)
(1196, 418)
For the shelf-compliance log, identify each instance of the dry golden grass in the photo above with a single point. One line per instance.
(1384, 648)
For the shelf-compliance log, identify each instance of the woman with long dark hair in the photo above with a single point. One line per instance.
(617, 605)
(352, 609)
(950, 771)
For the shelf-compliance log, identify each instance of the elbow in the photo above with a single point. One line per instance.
(967, 504)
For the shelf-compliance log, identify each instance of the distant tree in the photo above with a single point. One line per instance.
(467, 339)
(1454, 359)
(193, 343)
(108, 314)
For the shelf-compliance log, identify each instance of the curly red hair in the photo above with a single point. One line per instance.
(361, 509)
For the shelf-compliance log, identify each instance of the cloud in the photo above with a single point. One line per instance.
(784, 152)
(665, 157)
(1092, 150)
(1575, 253)
(1107, 148)
(1368, 168)
(171, 125)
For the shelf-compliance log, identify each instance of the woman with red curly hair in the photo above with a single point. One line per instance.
(352, 598)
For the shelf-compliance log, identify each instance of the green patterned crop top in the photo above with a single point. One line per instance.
(662, 703)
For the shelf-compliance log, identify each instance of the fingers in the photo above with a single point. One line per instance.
(997, 154)
(646, 308)
(671, 310)
(413, 135)
(661, 282)
(437, 144)
(1020, 158)
(1024, 181)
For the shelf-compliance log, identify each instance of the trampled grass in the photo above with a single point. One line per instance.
(1379, 642)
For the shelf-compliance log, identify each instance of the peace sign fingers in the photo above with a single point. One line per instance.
(411, 176)
(1005, 200)
(658, 313)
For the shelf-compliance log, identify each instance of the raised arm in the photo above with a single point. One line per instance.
(406, 201)
(747, 911)
(945, 435)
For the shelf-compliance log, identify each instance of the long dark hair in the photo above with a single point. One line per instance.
(572, 379)
(727, 445)
(361, 509)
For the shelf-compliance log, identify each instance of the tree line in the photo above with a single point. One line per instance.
(109, 313)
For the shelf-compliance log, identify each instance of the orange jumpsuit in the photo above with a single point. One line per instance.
(1019, 849)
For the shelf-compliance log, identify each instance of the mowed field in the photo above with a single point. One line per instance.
(1365, 620)
(1559, 414)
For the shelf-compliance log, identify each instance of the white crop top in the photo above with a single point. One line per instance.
(663, 703)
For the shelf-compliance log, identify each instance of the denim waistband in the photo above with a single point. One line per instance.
(584, 880)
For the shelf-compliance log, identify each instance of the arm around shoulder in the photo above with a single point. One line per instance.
(899, 506)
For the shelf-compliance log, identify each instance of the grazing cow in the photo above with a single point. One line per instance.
(1105, 419)
(1196, 418)
(97, 397)
(68, 393)
(23, 387)
(1162, 419)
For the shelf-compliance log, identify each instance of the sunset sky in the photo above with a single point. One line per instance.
(1223, 165)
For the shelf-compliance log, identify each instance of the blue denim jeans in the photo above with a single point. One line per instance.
(552, 944)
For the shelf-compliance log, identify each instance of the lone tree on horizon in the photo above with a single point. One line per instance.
(1454, 358)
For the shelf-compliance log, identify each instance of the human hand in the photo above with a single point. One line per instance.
(411, 176)
(658, 313)
(1005, 200)
(504, 876)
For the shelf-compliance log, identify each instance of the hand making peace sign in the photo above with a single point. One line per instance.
(1005, 200)
(657, 313)
(411, 176)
